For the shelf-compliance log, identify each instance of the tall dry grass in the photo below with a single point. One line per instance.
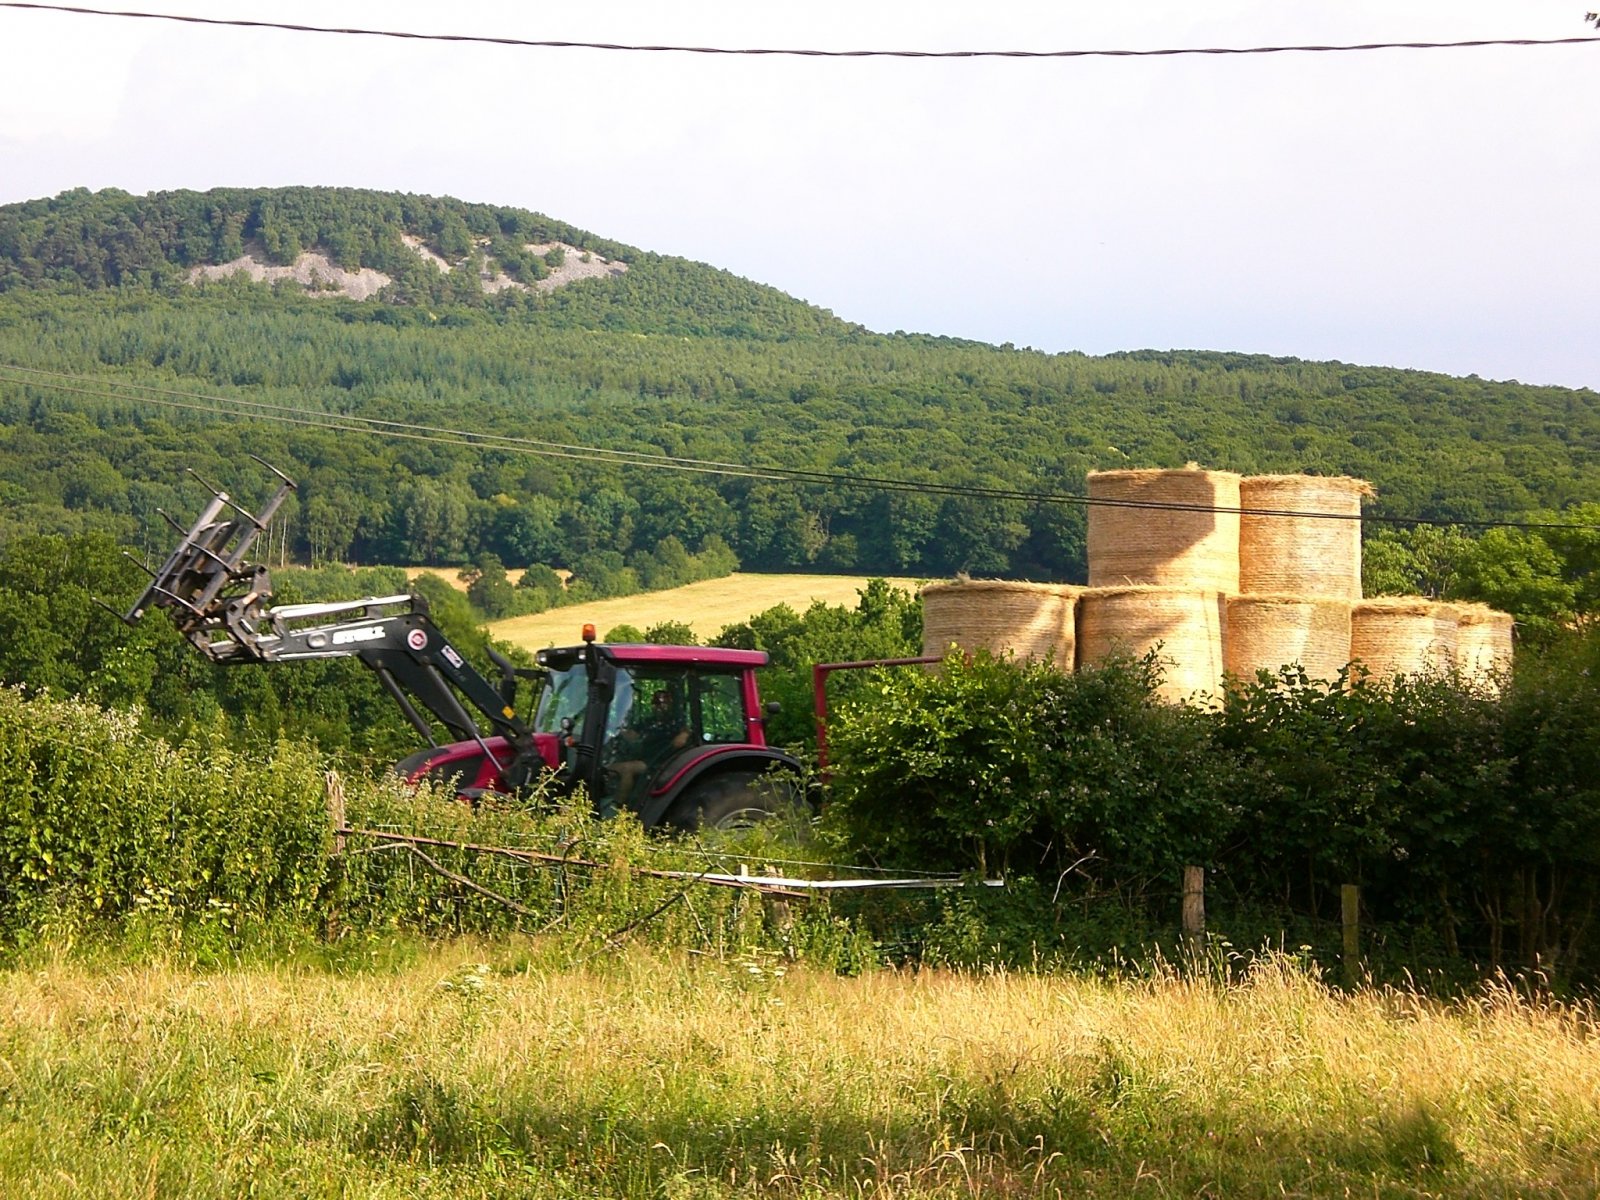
(646, 1075)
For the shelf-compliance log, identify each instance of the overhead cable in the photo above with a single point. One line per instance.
(238, 408)
(551, 44)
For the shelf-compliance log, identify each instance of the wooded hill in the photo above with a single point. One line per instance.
(662, 357)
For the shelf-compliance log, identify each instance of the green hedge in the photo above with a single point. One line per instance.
(103, 827)
(1470, 820)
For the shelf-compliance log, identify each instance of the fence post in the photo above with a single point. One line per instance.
(1350, 920)
(333, 790)
(1194, 908)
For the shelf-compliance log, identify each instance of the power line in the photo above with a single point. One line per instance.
(240, 408)
(483, 39)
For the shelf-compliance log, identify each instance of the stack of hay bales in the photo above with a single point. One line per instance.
(1030, 620)
(1299, 572)
(1221, 575)
(1159, 575)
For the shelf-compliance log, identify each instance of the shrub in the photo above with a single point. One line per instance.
(208, 848)
(994, 764)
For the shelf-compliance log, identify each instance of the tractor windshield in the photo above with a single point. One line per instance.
(566, 694)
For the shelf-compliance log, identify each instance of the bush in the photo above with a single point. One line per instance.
(886, 623)
(671, 633)
(207, 848)
(1388, 784)
(993, 765)
(98, 819)
(1470, 820)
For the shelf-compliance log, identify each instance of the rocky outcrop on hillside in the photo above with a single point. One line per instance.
(319, 275)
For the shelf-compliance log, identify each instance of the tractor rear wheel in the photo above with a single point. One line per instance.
(736, 800)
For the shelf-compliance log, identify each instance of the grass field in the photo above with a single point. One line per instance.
(482, 1070)
(452, 575)
(706, 607)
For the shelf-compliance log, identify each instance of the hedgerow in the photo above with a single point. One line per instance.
(211, 848)
(1470, 822)
(1468, 818)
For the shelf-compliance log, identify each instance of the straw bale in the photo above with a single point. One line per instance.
(1192, 550)
(1186, 624)
(1403, 635)
(1301, 555)
(1030, 620)
(1483, 643)
(1268, 632)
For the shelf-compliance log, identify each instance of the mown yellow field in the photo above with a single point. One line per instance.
(706, 607)
(453, 577)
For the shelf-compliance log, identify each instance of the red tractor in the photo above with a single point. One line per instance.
(676, 734)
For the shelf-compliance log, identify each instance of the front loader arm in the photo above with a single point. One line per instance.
(219, 602)
(394, 636)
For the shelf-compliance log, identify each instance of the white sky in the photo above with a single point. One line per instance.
(1430, 209)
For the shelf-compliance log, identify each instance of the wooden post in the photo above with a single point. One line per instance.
(1350, 919)
(1194, 908)
(334, 791)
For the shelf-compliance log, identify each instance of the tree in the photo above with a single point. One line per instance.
(330, 525)
(57, 637)
(1421, 561)
(529, 531)
(671, 633)
(490, 591)
(1517, 571)
(778, 530)
(432, 518)
(976, 535)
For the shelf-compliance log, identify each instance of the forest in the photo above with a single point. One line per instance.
(840, 449)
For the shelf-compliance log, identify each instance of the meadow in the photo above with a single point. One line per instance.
(497, 1068)
(706, 607)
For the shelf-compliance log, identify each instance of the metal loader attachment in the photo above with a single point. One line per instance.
(206, 578)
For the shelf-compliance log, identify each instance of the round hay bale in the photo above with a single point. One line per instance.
(1268, 632)
(1483, 644)
(1403, 635)
(1285, 554)
(1030, 620)
(1193, 549)
(1184, 625)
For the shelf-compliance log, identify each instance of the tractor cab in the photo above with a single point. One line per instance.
(649, 728)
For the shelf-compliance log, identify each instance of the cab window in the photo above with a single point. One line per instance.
(720, 701)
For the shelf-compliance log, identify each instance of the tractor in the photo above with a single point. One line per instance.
(674, 734)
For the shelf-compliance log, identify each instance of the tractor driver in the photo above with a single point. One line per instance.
(646, 741)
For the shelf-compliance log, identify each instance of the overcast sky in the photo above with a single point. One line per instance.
(1430, 209)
